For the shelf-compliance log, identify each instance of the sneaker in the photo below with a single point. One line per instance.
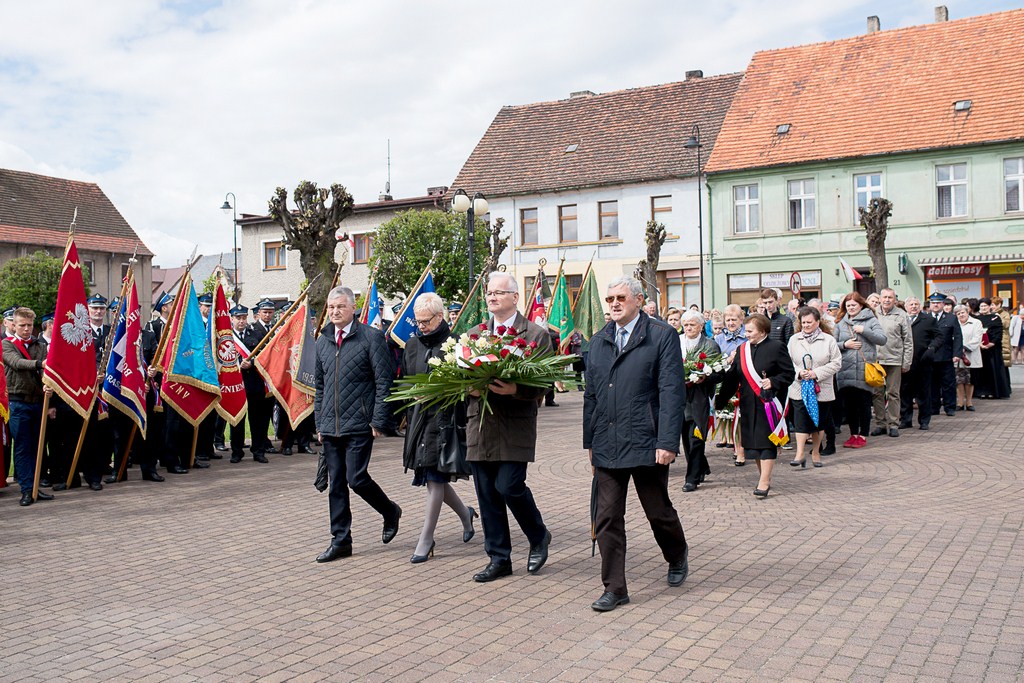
(858, 442)
(849, 443)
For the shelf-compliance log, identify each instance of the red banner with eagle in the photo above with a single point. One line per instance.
(232, 404)
(71, 359)
(287, 364)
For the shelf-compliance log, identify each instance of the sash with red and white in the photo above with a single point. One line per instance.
(244, 353)
(773, 409)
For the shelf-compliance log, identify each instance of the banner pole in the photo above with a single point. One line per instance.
(78, 451)
(195, 440)
(122, 469)
(280, 321)
(42, 443)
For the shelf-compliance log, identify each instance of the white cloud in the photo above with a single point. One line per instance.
(169, 105)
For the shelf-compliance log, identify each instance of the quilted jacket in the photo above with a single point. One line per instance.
(352, 381)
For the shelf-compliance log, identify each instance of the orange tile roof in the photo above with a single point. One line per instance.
(879, 93)
(627, 136)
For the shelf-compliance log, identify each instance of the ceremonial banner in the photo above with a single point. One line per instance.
(371, 309)
(124, 386)
(474, 308)
(404, 328)
(232, 405)
(71, 359)
(537, 310)
(5, 404)
(190, 385)
(560, 316)
(588, 312)
(287, 363)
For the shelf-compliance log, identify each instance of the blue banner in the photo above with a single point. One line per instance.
(129, 403)
(404, 327)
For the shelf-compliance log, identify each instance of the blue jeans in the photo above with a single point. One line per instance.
(25, 421)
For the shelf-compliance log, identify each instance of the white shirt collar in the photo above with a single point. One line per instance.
(628, 326)
(511, 322)
(346, 330)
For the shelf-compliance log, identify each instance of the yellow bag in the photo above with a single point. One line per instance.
(874, 374)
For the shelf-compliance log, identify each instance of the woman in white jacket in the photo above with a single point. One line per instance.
(967, 372)
(815, 354)
(1016, 347)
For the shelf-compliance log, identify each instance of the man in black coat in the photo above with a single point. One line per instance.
(163, 425)
(917, 382)
(951, 346)
(353, 376)
(782, 324)
(261, 406)
(632, 416)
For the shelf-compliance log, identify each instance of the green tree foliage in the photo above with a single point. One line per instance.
(31, 281)
(403, 247)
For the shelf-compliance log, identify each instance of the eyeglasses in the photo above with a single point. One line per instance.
(617, 297)
(499, 292)
(421, 323)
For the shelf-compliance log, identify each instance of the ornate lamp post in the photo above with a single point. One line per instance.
(232, 207)
(461, 203)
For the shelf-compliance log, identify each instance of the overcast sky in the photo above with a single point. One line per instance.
(170, 105)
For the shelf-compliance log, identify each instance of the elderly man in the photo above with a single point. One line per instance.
(651, 309)
(353, 375)
(502, 443)
(951, 346)
(896, 356)
(917, 382)
(632, 416)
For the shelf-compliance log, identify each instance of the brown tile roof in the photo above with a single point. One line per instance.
(624, 137)
(37, 209)
(879, 93)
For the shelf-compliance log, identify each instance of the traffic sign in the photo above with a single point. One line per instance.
(794, 284)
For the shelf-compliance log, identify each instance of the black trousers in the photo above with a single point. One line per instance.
(500, 487)
(218, 429)
(177, 439)
(651, 485)
(121, 426)
(943, 386)
(348, 460)
(238, 438)
(697, 466)
(916, 384)
(61, 439)
(204, 444)
(98, 447)
(857, 403)
(260, 409)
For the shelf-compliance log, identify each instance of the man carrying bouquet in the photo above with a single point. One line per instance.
(502, 443)
(632, 415)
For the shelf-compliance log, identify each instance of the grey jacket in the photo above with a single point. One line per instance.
(852, 372)
(899, 346)
(352, 381)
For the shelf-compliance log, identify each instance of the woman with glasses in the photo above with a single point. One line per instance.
(422, 437)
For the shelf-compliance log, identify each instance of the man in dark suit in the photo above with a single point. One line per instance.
(950, 347)
(501, 444)
(162, 425)
(632, 416)
(261, 406)
(917, 382)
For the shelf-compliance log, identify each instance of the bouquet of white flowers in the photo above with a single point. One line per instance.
(697, 366)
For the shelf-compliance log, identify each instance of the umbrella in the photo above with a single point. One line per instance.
(809, 392)
(321, 473)
(593, 516)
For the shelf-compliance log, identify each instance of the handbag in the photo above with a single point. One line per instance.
(874, 373)
(451, 458)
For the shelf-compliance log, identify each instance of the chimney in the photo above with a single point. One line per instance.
(696, 73)
(580, 93)
(438, 191)
(874, 24)
(941, 14)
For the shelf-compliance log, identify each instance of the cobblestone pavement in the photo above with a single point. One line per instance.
(901, 561)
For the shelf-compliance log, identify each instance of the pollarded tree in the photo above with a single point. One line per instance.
(404, 245)
(312, 230)
(654, 238)
(875, 221)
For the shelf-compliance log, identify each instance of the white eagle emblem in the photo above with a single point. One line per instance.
(78, 331)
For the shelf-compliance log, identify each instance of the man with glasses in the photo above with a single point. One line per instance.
(502, 443)
(632, 417)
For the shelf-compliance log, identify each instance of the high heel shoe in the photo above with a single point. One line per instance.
(762, 493)
(818, 464)
(802, 464)
(416, 559)
(467, 534)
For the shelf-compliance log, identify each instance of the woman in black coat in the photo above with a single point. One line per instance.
(422, 436)
(693, 342)
(992, 378)
(772, 373)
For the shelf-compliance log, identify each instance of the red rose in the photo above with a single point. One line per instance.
(512, 330)
(474, 337)
(519, 343)
(533, 345)
(504, 353)
(700, 366)
(526, 353)
(702, 356)
(500, 329)
(483, 326)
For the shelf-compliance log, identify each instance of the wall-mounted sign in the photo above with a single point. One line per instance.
(936, 272)
(957, 289)
(1006, 269)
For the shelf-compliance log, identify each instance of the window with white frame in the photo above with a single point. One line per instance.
(801, 204)
(951, 190)
(1013, 178)
(866, 186)
(746, 212)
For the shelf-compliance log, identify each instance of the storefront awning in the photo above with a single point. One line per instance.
(987, 258)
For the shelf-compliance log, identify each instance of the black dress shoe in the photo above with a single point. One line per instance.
(26, 499)
(203, 456)
(236, 458)
(200, 465)
(391, 527)
(271, 450)
(906, 425)
(495, 570)
(539, 554)
(44, 483)
(260, 458)
(307, 450)
(677, 571)
(95, 486)
(609, 601)
(950, 413)
(829, 449)
(969, 409)
(151, 476)
(924, 428)
(689, 486)
(60, 486)
(42, 496)
(893, 432)
(110, 479)
(177, 469)
(334, 552)
(215, 456)
(878, 431)
(551, 404)
(286, 451)
(220, 447)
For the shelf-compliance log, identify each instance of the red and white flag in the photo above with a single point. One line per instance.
(232, 405)
(537, 312)
(71, 359)
(851, 274)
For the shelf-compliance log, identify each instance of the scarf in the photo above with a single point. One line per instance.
(810, 338)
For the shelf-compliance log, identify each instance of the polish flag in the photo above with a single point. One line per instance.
(851, 274)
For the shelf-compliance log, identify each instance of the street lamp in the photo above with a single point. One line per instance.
(231, 206)
(478, 205)
(693, 142)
